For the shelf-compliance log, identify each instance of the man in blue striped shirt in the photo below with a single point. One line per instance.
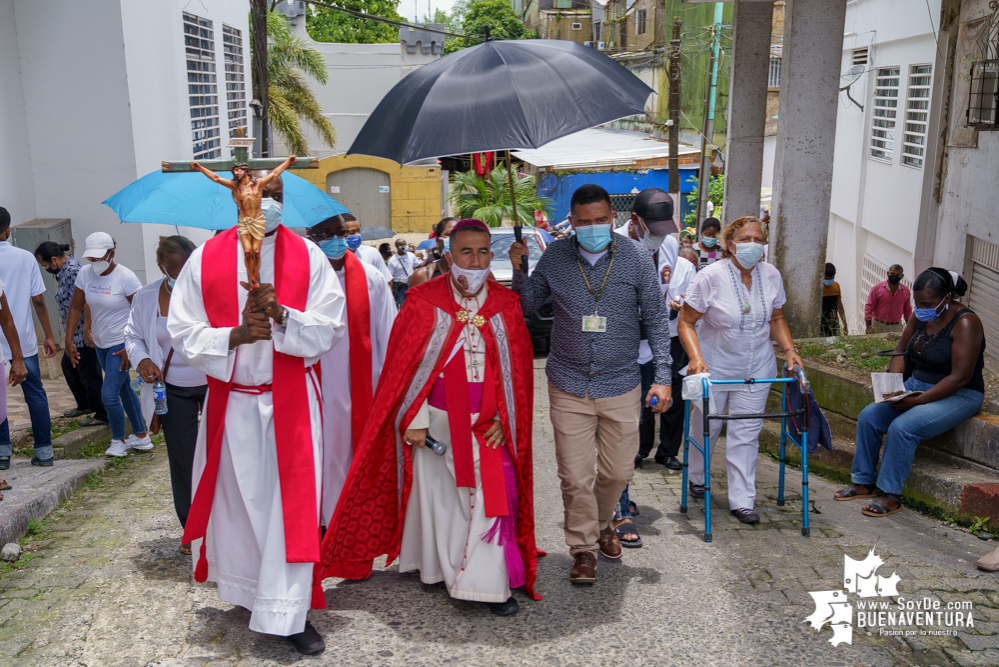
(606, 297)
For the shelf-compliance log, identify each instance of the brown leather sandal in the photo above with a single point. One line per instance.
(850, 493)
(880, 509)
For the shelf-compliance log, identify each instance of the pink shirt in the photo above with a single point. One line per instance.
(886, 307)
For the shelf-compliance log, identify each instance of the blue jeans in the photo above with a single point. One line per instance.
(623, 509)
(905, 430)
(399, 292)
(117, 394)
(38, 409)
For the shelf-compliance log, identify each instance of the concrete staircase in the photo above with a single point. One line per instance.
(954, 475)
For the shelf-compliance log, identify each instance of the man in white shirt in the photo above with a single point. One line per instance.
(24, 289)
(401, 266)
(365, 253)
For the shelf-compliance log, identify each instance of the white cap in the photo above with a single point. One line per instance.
(98, 245)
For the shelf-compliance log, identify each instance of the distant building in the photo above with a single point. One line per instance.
(917, 149)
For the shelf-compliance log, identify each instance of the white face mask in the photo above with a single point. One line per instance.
(470, 280)
(272, 210)
(652, 242)
(101, 266)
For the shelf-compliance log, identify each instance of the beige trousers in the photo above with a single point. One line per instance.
(883, 327)
(600, 433)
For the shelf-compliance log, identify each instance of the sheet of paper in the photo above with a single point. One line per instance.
(889, 387)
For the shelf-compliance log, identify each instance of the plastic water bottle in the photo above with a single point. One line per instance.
(137, 384)
(653, 402)
(159, 397)
(438, 448)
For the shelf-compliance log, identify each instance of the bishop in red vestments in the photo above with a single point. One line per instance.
(442, 477)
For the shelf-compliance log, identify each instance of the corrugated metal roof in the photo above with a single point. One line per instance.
(599, 147)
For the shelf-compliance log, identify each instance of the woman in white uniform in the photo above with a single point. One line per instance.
(739, 302)
(147, 343)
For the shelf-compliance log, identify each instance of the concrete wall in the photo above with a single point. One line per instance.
(876, 203)
(359, 77)
(969, 200)
(415, 190)
(17, 189)
(94, 97)
(157, 83)
(559, 187)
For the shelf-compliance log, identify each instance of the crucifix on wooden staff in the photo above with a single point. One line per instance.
(247, 191)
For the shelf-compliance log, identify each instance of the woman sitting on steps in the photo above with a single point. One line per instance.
(944, 343)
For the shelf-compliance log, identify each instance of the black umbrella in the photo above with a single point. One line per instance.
(500, 95)
(376, 232)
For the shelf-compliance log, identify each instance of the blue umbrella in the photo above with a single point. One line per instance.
(427, 245)
(189, 199)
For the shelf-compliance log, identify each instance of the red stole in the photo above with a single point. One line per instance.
(458, 410)
(293, 435)
(359, 330)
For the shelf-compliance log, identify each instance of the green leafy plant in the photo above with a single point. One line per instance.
(34, 528)
(488, 198)
(329, 25)
(289, 61)
(979, 524)
(496, 15)
(716, 191)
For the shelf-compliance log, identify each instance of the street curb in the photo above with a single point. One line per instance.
(53, 485)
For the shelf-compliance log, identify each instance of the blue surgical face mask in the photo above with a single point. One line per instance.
(335, 247)
(828, 283)
(748, 254)
(708, 241)
(354, 241)
(272, 210)
(594, 238)
(447, 245)
(930, 314)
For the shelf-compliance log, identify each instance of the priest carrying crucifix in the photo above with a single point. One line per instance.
(257, 467)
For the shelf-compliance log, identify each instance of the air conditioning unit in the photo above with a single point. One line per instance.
(588, 44)
(577, 26)
(601, 45)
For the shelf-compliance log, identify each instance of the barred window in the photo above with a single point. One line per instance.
(917, 114)
(202, 89)
(885, 112)
(235, 81)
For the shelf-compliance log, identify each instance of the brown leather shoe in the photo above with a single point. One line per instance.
(584, 568)
(609, 545)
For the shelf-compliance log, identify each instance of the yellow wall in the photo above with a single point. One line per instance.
(415, 191)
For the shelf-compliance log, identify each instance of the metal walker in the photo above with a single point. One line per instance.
(784, 414)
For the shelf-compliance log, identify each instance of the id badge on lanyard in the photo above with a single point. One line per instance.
(596, 323)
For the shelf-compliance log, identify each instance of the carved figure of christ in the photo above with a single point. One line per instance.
(247, 192)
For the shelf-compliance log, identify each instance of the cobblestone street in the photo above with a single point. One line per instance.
(106, 585)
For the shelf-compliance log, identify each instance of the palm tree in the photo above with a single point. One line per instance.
(289, 61)
(488, 198)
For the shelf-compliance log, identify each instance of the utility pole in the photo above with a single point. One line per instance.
(674, 111)
(261, 83)
(709, 116)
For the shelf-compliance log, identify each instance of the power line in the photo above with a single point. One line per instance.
(382, 19)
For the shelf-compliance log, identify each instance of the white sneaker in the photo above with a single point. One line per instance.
(142, 444)
(117, 448)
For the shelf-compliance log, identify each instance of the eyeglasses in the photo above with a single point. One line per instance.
(319, 237)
